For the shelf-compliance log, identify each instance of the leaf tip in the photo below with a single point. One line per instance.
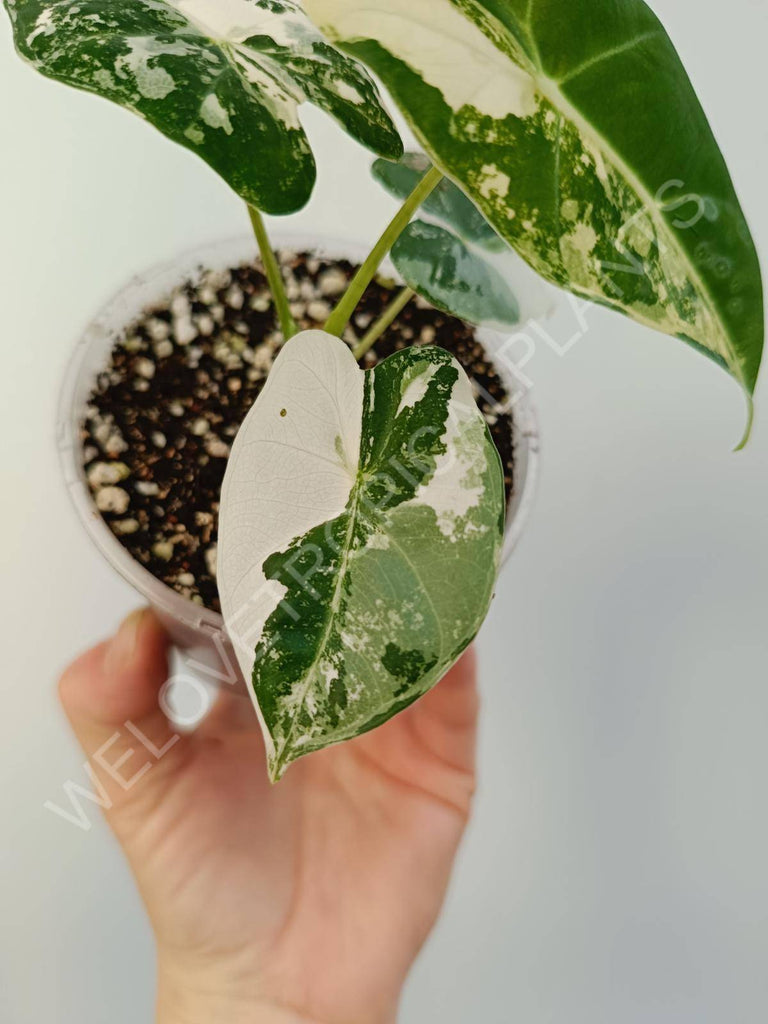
(278, 764)
(395, 149)
(750, 422)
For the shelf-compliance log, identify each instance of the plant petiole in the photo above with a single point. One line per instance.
(387, 318)
(274, 274)
(340, 317)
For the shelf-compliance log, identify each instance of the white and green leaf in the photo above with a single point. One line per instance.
(575, 129)
(361, 526)
(440, 267)
(224, 78)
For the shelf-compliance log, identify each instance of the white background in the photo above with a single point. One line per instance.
(617, 865)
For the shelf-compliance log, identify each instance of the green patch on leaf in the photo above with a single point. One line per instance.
(407, 666)
(354, 572)
(453, 277)
(224, 79)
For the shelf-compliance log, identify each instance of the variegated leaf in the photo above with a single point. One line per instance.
(361, 525)
(447, 203)
(573, 126)
(223, 78)
(440, 267)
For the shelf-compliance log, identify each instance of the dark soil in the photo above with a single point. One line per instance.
(181, 379)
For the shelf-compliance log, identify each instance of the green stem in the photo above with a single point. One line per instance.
(387, 318)
(274, 274)
(340, 317)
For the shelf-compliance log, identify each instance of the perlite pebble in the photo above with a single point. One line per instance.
(218, 278)
(332, 282)
(158, 329)
(110, 438)
(180, 305)
(105, 474)
(163, 349)
(147, 488)
(144, 368)
(200, 426)
(260, 302)
(124, 527)
(184, 331)
(163, 550)
(186, 579)
(234, 297)
(318, 310)
(217, 448)
(116, 445)
(205, 324)
(112, 499)
(210, 559)
(159, 440)
(262, 360)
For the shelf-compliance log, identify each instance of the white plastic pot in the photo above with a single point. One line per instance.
(195, 629)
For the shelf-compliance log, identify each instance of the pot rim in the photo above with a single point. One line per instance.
(149, 287)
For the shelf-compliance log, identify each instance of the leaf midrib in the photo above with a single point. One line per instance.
(333, 607)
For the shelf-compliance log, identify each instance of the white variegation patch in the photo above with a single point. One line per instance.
(489, 81)
(234, 21)
(292, 467)
(457, 485)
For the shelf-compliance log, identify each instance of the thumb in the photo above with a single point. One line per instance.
(112, 696)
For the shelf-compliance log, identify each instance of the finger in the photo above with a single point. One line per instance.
(432, 743)
(112, 696)
(232, 712)
(445, 719)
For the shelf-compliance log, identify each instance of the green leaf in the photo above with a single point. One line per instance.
(574, 127)
(447, 203)
(440, 267)
(223, 78)
(361, 525)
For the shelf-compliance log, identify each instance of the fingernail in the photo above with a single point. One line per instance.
(122, 646)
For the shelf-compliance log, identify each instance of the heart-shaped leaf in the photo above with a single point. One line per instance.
(223, 78)
(574, 127)
(361, 525)
(440, 267)
(447, 203)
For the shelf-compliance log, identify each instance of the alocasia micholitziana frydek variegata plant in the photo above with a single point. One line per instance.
(363, 512)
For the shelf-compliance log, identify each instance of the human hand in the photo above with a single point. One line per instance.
(302, 902)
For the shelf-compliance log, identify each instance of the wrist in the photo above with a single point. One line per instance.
(199, 998)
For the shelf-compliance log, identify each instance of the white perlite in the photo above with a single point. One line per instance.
(112, 499)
